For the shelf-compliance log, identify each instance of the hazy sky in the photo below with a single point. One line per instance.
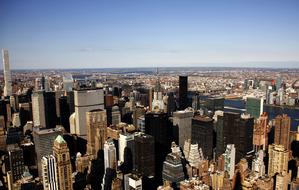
(150, 33)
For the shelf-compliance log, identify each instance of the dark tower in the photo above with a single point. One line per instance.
(50, 109)
(183, 88)
(64, 113)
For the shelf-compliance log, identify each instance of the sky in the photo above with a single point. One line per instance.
(150, 33)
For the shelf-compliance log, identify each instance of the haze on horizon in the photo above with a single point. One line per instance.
(151, 33)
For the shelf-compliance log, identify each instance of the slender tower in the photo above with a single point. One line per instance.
(7, 75)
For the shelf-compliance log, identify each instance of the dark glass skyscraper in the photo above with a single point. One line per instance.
(183, 88)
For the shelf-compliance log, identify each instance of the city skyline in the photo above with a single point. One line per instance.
(102, 34)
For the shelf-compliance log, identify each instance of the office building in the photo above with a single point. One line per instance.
(44, 109)
(260, 132)
(194, 156)
(110, 160)
(183, 90)
(202, 134)
(96, 124)
(13, 135)
(254, 106)
(278, 159)
(86, 100)
(172, 166)
(282, 181)
(64, 168)
(16, 162)
(2, 134)
(115, 115)
(43, 140)
(182, 120)
(144, 155)
(125, 140)
(229, 160)
(49, 172)
(64, 113)
(132, 182)
(282, 130)
(236, 129)
(258, 165)
(6, 73)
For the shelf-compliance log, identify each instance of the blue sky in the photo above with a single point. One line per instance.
(150, 33)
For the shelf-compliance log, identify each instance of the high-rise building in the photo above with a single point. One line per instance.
(282, 131)
(115, 114)
(159, 126)
(144, 155)
(2, 133)
(183, 121)
(238, 130)
(110, 160)
(96, 124)
(44, 109)
(282, 180)
(278, 159)
(16, 162)
(260, 132)
(6, 73)
(125, 140)
(64, 113)
(202, 134)
(258, 166)
(172, 166)
(183, 90)
(49, 173)
(194, 156)
(86, 100)
(254, 106)
(43, 140)
(132, 182)
(229, 160)
(64, 168)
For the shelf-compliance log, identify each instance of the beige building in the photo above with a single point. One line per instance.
(96, 122)
(64, 168)
(260, 133)
(282, 131)
(278, 159)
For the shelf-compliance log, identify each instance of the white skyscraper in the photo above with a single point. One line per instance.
(49, 173)
(7, 74)
(86, 100)
(109, 155)
(229, 159)
(38, 109)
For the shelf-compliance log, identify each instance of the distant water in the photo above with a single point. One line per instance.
(271, 110)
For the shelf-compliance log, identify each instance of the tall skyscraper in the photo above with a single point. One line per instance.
(202, 134)
(125, 140)
(6, 74)
(260, 132)
(254, 106)
(144, 155)
(238, 130)
(183, 121)
(282, 130)
(229, 160)
(278, 159)
(16, 162)
(43, 140)
(96, 124)
(183, 89)
(44, 109)
(49, 169)
(86, 100)
(110, 160)
(64, 168)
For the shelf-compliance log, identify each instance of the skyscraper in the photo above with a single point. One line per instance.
(96, 124)
(229, 160)
(49, 172)
(64, 168)
(144, 155)
(278, 159)
(6, 74)
(110, 155)
(43, 140)
(16, 162)
(202, 134)
(260, 132)
(254, 106)
(183, 121)
(86, 100)
(183, 89)
(282, 130)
